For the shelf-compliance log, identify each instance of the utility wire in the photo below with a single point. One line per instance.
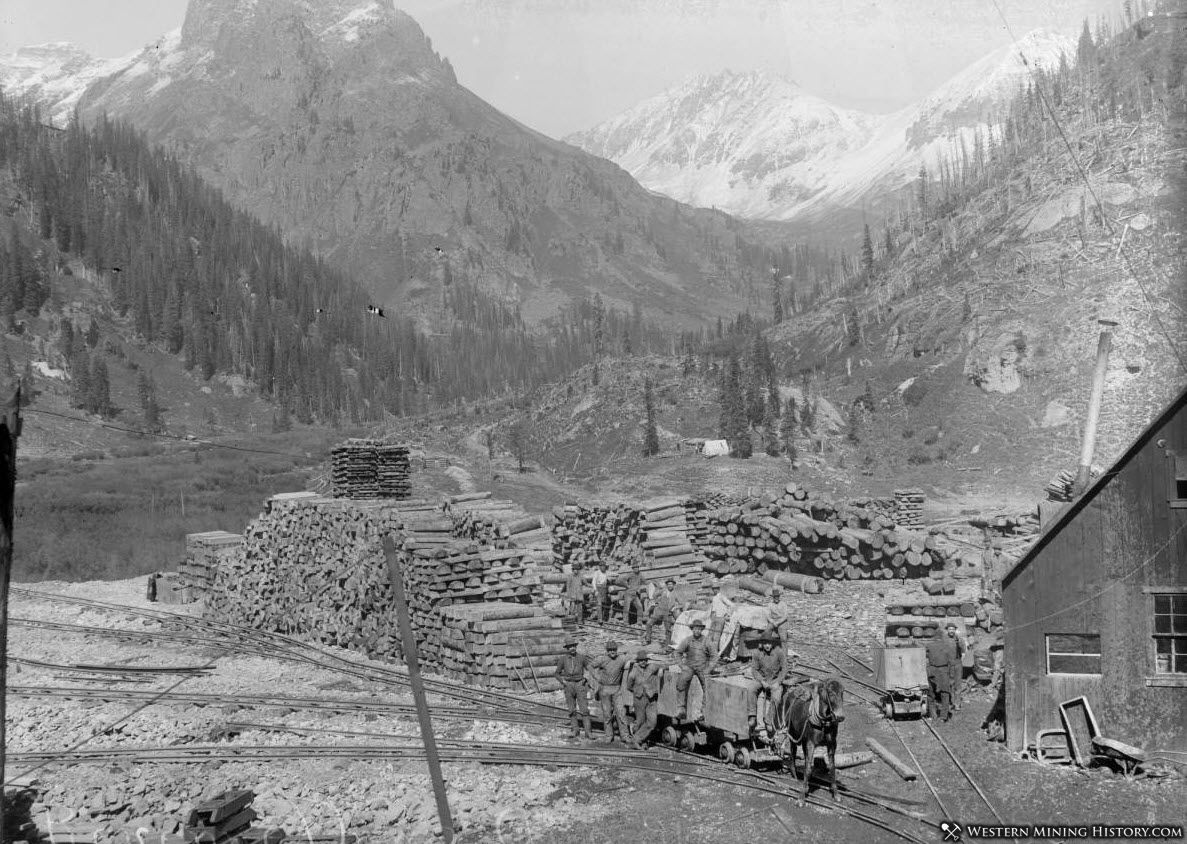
(1088, 184)
(164, 436)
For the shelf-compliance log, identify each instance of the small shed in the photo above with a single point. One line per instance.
(1098, 606)
(716, 448)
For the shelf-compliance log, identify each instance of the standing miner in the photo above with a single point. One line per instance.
(768, 667)
(642, 684)
(601, 589)
(571, 672)
(720, 610)
(632, 598)
(700, 658)
(942, 657)
(574, 595)
(608, 671)
(663, 611)
(777, 615)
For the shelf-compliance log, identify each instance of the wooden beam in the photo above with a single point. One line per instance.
(418, 689)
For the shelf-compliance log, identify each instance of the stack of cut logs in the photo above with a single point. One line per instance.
(1009, 525)
(588, 533)
(501, 645)
(815, 537)
(455, 574)
(499, 523)
(1059, 488)
(370, 469)
(908, 507)
(668, 547)
(909, 622)
(314, 568)
(204, 554)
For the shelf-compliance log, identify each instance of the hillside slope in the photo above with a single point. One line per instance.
(338, 123)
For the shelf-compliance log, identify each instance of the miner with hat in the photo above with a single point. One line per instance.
(571, 673)
(699, 657)
(642, 684)
(943, 661)
(768, 667)
(663, 611)
(608, 671)
(777, 614)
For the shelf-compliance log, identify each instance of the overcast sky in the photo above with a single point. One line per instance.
(563, 65)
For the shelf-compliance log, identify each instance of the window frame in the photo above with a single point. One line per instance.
(1153, 676)
(1173, 499)
(1048, 654)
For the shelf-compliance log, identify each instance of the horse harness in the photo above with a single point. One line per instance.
(815, 719)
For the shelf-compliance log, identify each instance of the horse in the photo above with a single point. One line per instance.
(808, 722)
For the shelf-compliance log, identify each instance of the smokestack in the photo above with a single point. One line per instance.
(1103, 347)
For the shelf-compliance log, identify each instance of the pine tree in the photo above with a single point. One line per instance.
(92, 335)
(66, 339)
(787, 430)
(80, 374)
(853, 434)
(808, 416)
(770, 431)
(518, 441)
(854, 325)
(777, 297)
(867, 254)
(100, 400)
(650, 432)
(734, 427)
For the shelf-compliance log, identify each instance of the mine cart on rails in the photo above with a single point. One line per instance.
(717, 717)
(901, 674)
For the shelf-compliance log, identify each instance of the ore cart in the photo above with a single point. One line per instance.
(717, 718)
(901, 673)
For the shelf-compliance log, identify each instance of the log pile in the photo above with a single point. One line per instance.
(668, 546)
(796, 533)
(204, 554)
(499, 523)
(590, 533)
(314, 568)
(908, 506)
(370, 469)
(1009, 525)
(912, 621)
(501, 645)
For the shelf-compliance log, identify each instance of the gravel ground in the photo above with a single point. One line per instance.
(390, 801)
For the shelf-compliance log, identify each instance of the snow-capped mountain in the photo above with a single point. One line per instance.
(55, 75)
(758, 146)
(753, 144)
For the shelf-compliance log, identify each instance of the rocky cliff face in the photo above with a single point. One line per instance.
(337, 122)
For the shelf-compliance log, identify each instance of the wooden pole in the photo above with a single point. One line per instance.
(10, 429)
(1103, 347)
(418, 690)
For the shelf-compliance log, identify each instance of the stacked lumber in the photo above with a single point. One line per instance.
(668, 546)
(370, 469)
(226, 817)
(314, 568)
(204, 553)
(1059, 488)
(590, 533)
(170, 588)
(1009, 525)
(908, 506)
(697, 512)
(796, 533)
(458, 573)
(500, 523)
(912, 621)
(501, 645)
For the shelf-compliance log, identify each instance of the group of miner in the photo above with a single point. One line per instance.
(619, 683)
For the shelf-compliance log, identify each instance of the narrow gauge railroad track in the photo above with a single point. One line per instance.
(326, 705)
(248, 640)
(145, 671)
(468, 752)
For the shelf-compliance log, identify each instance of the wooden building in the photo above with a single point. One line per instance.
(1098, 606)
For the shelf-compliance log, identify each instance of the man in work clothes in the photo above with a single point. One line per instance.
(962, 646)
(642, 684)
(777, 614)
(663, 611)
(768, 667)
(601, 588)
(942, 656)
(571, 672)
(608, 671)
(632, 598)
(700, 658)
(574, 595)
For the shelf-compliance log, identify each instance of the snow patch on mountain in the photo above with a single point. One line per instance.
(349, 27)
(760, 146)
(55, 74)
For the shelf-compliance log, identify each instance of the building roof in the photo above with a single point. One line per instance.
(1068, 513)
